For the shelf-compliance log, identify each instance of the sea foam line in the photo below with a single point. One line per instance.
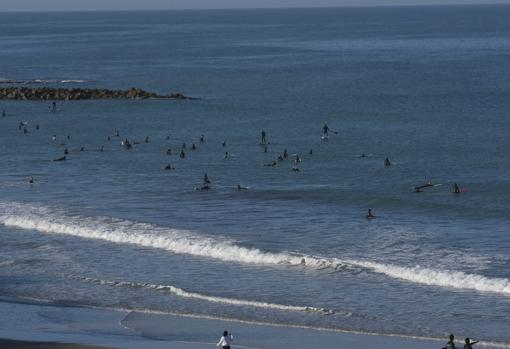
(186, 242)
(213, 299)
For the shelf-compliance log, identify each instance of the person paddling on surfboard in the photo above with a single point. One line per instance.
(370, 214)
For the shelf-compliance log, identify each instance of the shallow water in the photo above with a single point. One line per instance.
(426, 87)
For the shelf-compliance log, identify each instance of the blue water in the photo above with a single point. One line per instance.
(427, 87)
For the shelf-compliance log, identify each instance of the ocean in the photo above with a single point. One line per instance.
(427, 87)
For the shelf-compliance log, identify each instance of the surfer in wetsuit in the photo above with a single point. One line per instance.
(456, 190)
(206, 182)
(370, 214)
(263, 137)
(387, 162)
(193, 147)
(224, 144)
(469, 344)
(239, 188)
(31, 180)
(4, 114)
(226, 155)
(182, 154)
(325, 130)
(450, 344)
(54, 107)
(201, 138)
(285, 154)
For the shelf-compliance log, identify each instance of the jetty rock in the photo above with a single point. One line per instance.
(70, 94)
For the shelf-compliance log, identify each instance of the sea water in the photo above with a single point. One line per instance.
(426, 87)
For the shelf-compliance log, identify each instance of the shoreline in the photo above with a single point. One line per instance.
(51, 326)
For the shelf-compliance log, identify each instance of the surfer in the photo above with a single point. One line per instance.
(117, 134)
(68, 136)
(265, 149)
(226, 155)
(469, 344)
(370, 214)
(54, 107)
(182, 154)
(82, 148)
(31, 180)
(280, 157)
(169, 167)
(169, 151)
(37, 126)
(297, 159)
(285, 154)
(201, 138)
(206, 182)
(183, 146)
(66, 151)
(4, 114)
(272, 164)
(325, 130)
(387, 162)
(146, 139)
(193, 147)
(225, 340)
(108, 138)
(224, 144)
(25, 131)
(363, 155)
(295, 168)
(456, 190)
(263, 137)
(450, 344)
(310, 152)
(63, 158)
(101, 149)
(239, 188)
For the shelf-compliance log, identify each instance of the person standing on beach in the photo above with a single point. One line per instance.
(225, 340)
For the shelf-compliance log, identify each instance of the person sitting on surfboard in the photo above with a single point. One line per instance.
(369, 214)
(285, 154)
(387, 162)
(325, 130)
(241, 188)
(456, 189)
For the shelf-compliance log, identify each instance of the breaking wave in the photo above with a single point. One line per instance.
(186, 242)
(213, 299)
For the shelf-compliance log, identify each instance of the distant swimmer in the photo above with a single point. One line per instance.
(31, 180)
(68, 136)
(82, 148)
(37, 126)
(239, 188)
(263, 139)
(201, 138)
(370, 214)
(451, 343)
(265, 149)
(295, 168)
(146, 139)
(387, 162)
(117, 134)
(169, 167)
(167, 137)
(456, 189)
(285, 154)
(182, 154)
(468, 344)
(63, 158)
(224, 144)
(310, 152)
(226, 155)
(108, 138)
(169, 151)
(363, 155)
(25, 131)
(66, 151)
(193, 147)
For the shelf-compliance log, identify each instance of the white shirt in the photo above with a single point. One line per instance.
(225, 341)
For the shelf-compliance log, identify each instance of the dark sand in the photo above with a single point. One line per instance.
(11, 344)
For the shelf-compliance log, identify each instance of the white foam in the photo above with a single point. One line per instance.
(186, 242)
(213, 299)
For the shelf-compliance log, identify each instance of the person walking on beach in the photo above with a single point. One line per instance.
(469, 344)
(450, 344)
(225, 340)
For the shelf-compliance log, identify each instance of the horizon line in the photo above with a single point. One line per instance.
(256, 8)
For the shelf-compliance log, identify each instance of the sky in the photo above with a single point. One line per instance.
(94, 5)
